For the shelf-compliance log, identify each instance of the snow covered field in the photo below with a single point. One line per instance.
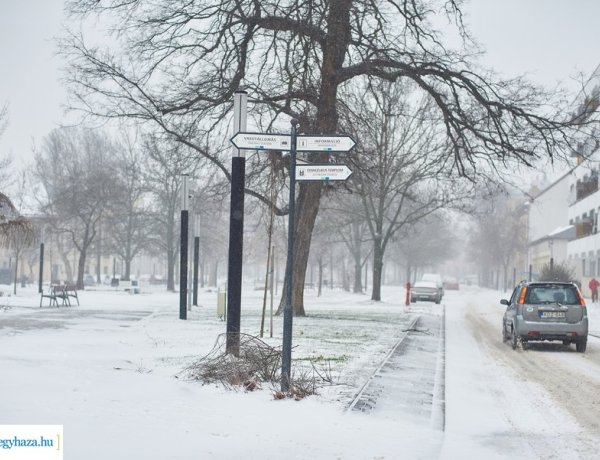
(107, 370)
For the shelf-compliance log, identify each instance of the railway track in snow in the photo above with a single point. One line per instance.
(411, 379)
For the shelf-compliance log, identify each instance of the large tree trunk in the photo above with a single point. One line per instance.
(377, 270)
(357, 258)
(81, 267)
(307, 208)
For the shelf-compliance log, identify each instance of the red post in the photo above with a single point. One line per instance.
(408, 293)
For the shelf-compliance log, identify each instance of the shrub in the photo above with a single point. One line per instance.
(558, 272)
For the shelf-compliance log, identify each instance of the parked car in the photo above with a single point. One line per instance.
(538, 311)
(437, 279)
(89, 280)
(451, 284)
(425, 290)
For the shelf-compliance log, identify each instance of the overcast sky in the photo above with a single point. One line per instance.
(552, 40)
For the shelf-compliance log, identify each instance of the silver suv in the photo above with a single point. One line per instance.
(545, 310)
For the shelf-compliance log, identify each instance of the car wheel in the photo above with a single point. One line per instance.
(581, 345)
(412, 300)
(514, 341)
(438, 300)
(504, 336)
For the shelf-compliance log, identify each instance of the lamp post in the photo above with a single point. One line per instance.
(236, 229)
(527, 206)
(41, 277)
(183, 262)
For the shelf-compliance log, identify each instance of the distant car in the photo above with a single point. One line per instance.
(451, 284)
(538, 311)
(437, 279)
(89, 280)
(425, 290)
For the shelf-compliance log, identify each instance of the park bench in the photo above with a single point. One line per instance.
(71, 291)
(133, 286)
(55, 292)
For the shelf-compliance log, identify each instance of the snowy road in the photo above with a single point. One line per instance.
(543, 402)
(105, 370)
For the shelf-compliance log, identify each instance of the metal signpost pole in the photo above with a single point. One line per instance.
(183, 262)
(236, 229)
(286, 352)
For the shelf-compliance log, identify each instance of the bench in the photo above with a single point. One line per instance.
(54, 293)
(71, 291)
(133, 287)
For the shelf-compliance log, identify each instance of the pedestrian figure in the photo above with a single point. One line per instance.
(593, 285)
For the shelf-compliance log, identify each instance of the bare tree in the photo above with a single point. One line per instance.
(166, 164)
(400, 164)
(13, 226)
(128, 218)
(426, 243)
(499, 235)
(177, 63)
(78, 174)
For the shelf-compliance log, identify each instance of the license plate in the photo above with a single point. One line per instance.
(553, 314)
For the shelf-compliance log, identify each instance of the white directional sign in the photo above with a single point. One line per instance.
(320, 172)
(324, 143)
(260, 141)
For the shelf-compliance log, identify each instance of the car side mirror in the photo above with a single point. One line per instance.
(504, 302)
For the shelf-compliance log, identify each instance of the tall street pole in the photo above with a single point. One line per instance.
(196, 258)
(41, 278)
(286, 352)
(183, 256)
(236, 229)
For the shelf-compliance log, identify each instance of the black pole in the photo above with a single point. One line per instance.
(286, 351)
(41, 279)
(236, 240)
(196, 263)
(183, 265)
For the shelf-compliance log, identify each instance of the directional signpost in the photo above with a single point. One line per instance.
(325, 143)
(258, 141)
(306, 172)
(283, 142)
(322, 172)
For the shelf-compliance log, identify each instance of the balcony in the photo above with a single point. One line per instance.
(586, 187)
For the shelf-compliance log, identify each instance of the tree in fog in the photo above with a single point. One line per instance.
(346, 219)
(127, 225)
(499, 235)
(399, 166)
(15, 230)
(166, 163)
(426, 243)
(176, 64)
(78, 174)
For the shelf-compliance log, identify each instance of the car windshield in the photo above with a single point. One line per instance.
(428, 284)
(551, 294)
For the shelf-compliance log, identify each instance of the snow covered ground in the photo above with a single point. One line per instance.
(110, 372)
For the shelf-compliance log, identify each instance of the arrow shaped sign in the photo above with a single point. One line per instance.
(259, 141)
(322, 172)
(324, 143)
